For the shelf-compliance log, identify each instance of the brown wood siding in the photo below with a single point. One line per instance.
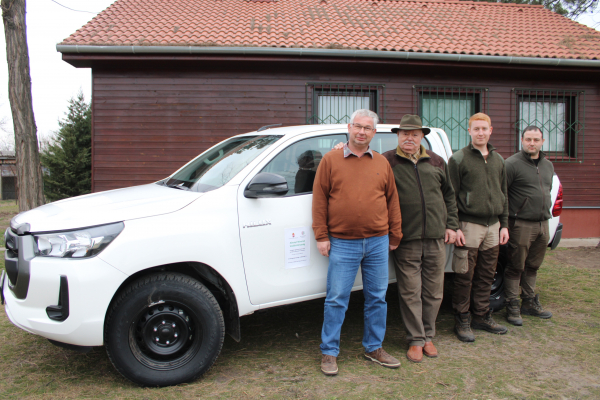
(149, 121)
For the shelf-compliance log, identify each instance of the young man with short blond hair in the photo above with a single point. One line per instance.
(479, 180)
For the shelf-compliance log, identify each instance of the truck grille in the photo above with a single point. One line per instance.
(11, 256)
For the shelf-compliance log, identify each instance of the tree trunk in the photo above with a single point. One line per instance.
(29, 171)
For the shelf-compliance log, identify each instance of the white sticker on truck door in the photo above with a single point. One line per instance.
(297, 247)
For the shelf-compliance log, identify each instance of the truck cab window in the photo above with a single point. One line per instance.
(298, 163)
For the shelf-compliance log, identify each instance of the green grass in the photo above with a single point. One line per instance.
(8, 209)
(278, 357)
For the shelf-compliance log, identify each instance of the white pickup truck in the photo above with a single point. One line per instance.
(159, 273)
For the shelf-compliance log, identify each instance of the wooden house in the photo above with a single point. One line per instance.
(170, 79)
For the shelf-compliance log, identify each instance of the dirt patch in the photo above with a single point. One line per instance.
(580, 257)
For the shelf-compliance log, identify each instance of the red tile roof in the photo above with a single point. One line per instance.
(434, 26)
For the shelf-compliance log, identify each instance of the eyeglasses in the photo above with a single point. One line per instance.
(368, 129)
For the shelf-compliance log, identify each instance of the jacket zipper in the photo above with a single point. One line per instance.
(422, 200)
(541, 188)
(487, 179)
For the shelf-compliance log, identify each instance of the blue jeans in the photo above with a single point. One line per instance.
(345, 256)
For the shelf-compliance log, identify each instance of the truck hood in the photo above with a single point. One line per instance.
(105, 208)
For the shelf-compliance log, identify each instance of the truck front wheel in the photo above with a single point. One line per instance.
(164, 329)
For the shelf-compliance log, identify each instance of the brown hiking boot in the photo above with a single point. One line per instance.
(382, 358)
(533, 307)
(462, 327)
(487, 323)
(329, 365)
(513, 312)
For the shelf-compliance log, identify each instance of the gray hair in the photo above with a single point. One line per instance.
(365, 113)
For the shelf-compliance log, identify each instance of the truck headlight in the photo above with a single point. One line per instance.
(80, 243)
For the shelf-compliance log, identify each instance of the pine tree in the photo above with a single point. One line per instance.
(68, 162)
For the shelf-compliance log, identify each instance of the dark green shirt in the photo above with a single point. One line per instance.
(529, 186)
(426, 196)
(480, 186)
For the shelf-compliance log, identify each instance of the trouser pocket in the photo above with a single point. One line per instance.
(460, 261)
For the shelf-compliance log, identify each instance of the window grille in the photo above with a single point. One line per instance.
(560, 114)
(449, 108)
(334, 103)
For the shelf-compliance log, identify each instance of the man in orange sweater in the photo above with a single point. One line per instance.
(356, 220)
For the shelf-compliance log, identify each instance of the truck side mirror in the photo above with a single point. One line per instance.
(266, 184)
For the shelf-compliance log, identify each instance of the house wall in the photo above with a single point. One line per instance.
(153, 117)
(580, 223)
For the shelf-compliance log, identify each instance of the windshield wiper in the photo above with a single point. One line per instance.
(178, 185)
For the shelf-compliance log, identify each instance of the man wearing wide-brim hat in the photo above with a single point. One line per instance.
(429, 220)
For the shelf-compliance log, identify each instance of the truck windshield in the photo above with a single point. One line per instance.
(216, 167)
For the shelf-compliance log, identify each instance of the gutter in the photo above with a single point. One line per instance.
(279, 51)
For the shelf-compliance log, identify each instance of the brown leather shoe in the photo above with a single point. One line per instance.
(429, 350)
(415, 354)
(329, 365)
(381, 357)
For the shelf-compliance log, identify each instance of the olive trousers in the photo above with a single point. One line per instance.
(472, 289)
(526, 250)
(419, 266)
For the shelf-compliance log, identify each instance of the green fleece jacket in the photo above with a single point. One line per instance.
(480, 186)
(529, 187)
(426, 196)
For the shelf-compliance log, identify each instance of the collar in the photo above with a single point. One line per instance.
(489, 147)
(528, 156)
(348, 152)
(421, 154)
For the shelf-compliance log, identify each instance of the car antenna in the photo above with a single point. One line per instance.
(264, 128)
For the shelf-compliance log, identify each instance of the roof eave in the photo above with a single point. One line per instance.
(297, 51)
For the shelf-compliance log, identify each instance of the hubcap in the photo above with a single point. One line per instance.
(166, 333)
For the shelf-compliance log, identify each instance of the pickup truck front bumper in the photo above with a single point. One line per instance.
(91, 285)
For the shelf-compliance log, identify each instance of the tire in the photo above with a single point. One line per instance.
(164, 329)
(497, 297)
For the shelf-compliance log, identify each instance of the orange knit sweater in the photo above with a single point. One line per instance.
(355, 198)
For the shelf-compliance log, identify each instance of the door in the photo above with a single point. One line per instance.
(280, 254)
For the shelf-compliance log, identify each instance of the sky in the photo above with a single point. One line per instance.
(54, 81)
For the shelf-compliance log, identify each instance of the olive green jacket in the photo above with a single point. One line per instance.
(529, 187)
(427, 200)
(480, 186)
